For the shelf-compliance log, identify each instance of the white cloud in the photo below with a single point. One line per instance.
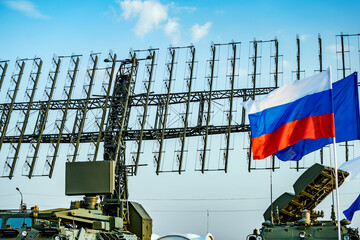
(151, 14)
(286, 64)
(172, 30)
(198, 32)
(186, 9)
(334, 47)
(243, 72)
(304, 37)
(113, 13)
(26, 7)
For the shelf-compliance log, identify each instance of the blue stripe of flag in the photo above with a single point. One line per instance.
(347, 121)
(346, 105)
(271, 119)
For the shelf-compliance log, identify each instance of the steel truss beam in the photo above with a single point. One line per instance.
(54, 147)
(139, 100)
(344, 75)
(3, 68)
(34, 78)
(255, 60)
(232, 61)
(114, 146)
(163, 109)
(210, 81)
(110, 75)
(142, 121)
(11, 94)
(131, 135)
(82, 111)
(320, 70)
(189, 79)
(42, 118)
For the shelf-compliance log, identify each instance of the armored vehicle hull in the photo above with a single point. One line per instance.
(73, 223)
(295, 217)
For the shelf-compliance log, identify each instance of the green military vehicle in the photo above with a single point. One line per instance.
(86, 219)
(295, 217)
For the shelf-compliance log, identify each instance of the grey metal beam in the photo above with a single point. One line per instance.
(209, 101)
(104, 106)
(253, 78)
(298, 75)
(6, 113)
(3, 67)
(68, 92)
(114, 146)
(163, 118)
(139, 100)
(147, 86)
(42, 117)
(84, 109)
(33, 81)
(320, 70)
(298, 57)
(344, 75)
(190, 65)
(231, 100)
(131, 135)
(126, 106)
(276, 75)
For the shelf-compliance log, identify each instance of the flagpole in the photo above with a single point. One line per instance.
(337, 190)
(335, 165)
(271, 198)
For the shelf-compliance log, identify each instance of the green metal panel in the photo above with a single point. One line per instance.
(279, 203)
(140, 221)
(308, 176)
(312, 187)
(89, 178)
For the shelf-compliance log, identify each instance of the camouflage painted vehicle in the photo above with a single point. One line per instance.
(80, 221)
(86, 219)
(295, 217)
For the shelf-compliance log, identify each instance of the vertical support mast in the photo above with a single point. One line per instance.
(253, 79)
(298, 74)
(229, 116)
(190, 64)
(320, 70)
(320, 53)
(201, 110)
(344, 75)
(276, 74)
(68, 92)
(298, 57)
(210, 80)
(276, 84)
(12, 159)
(42, 118)
(114, 146)
(147, 86)
(110, 74)
(6, 114)
(163, 116)
(3, 68)
(84, 108)
(125, 89)
(255, 68)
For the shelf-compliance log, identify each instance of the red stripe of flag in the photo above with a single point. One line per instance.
(313, 127)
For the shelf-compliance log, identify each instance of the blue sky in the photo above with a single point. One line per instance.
(44, 28)
(62, 26)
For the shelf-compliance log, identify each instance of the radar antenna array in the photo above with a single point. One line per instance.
(112, 124)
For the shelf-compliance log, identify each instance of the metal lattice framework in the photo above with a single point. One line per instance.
(118, 99)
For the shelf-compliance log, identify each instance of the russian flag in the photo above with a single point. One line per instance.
(298, 118)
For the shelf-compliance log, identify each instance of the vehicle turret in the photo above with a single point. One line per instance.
(295, 217)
